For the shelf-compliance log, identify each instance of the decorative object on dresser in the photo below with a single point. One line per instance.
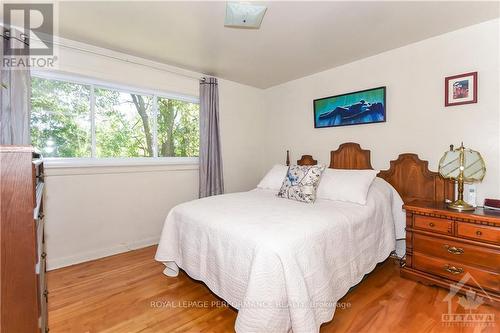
(23, 285)
(460, 89)
(462, 165)
(493, 204)
(444, 247)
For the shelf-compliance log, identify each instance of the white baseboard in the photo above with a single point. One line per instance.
(55, 263)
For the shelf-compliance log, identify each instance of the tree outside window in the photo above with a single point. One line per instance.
(126, 124)
(60, 118)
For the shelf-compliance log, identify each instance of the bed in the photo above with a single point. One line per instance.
(284, 264)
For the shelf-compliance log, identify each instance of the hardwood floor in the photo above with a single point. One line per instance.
(129, 293)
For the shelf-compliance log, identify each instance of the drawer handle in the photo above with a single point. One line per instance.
(453, 270)
(479, 233)
(431, 225)
(453, 249)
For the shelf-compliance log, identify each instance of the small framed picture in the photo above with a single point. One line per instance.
(460, 89)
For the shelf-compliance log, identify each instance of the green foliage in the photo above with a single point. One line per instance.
(178, 128)
(120, 130)
(123, 122)
(60, 124)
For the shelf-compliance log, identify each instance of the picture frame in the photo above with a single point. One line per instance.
(355, 108)
(460, 89)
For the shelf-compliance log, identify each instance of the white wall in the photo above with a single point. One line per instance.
(98, 211)
(417, 120)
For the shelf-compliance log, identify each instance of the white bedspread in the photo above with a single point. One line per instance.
(283, 264)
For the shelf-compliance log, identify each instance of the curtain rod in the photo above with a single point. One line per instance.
(25, 40)
(7, 35)
(194, 77)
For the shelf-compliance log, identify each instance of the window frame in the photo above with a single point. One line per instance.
(94, 161)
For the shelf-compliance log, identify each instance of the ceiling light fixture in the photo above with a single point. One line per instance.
(244, 15)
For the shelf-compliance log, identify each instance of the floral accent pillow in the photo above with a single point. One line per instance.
(301, 182)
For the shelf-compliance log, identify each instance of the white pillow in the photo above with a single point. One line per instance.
(346, 185)
(274, 178)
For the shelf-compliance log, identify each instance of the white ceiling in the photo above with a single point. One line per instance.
(296, 38)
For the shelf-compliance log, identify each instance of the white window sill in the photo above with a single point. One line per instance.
(55, 163)
(95, 166)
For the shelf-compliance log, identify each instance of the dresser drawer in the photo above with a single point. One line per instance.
(479, 232)
(441, 226)
(460, 252)
(455, 271)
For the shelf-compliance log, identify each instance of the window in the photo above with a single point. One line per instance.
(178, 128)
(123, 124)
(60, 118)
(81, 119)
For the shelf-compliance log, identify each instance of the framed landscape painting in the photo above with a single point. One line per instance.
(360, 107)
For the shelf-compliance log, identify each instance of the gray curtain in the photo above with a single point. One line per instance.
(211, 181)
(15, 103)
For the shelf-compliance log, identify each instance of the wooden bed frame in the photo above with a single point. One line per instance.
(408, 174)
(421, 188)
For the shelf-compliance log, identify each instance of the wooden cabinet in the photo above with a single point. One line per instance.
(23, 289)
(444, 247)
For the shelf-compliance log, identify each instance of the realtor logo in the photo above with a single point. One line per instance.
(470, 303)
(28, 35)
(36, 20)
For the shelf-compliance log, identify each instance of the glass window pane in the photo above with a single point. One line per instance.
(178, 128)
(60, 118)
(123, 124)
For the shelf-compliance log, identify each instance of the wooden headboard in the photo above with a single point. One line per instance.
(408, 174)
(350, 156)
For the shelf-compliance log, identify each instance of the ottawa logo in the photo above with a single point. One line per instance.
(470, 303)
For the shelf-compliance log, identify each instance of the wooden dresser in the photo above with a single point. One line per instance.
(443, 245)
(23, 292)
